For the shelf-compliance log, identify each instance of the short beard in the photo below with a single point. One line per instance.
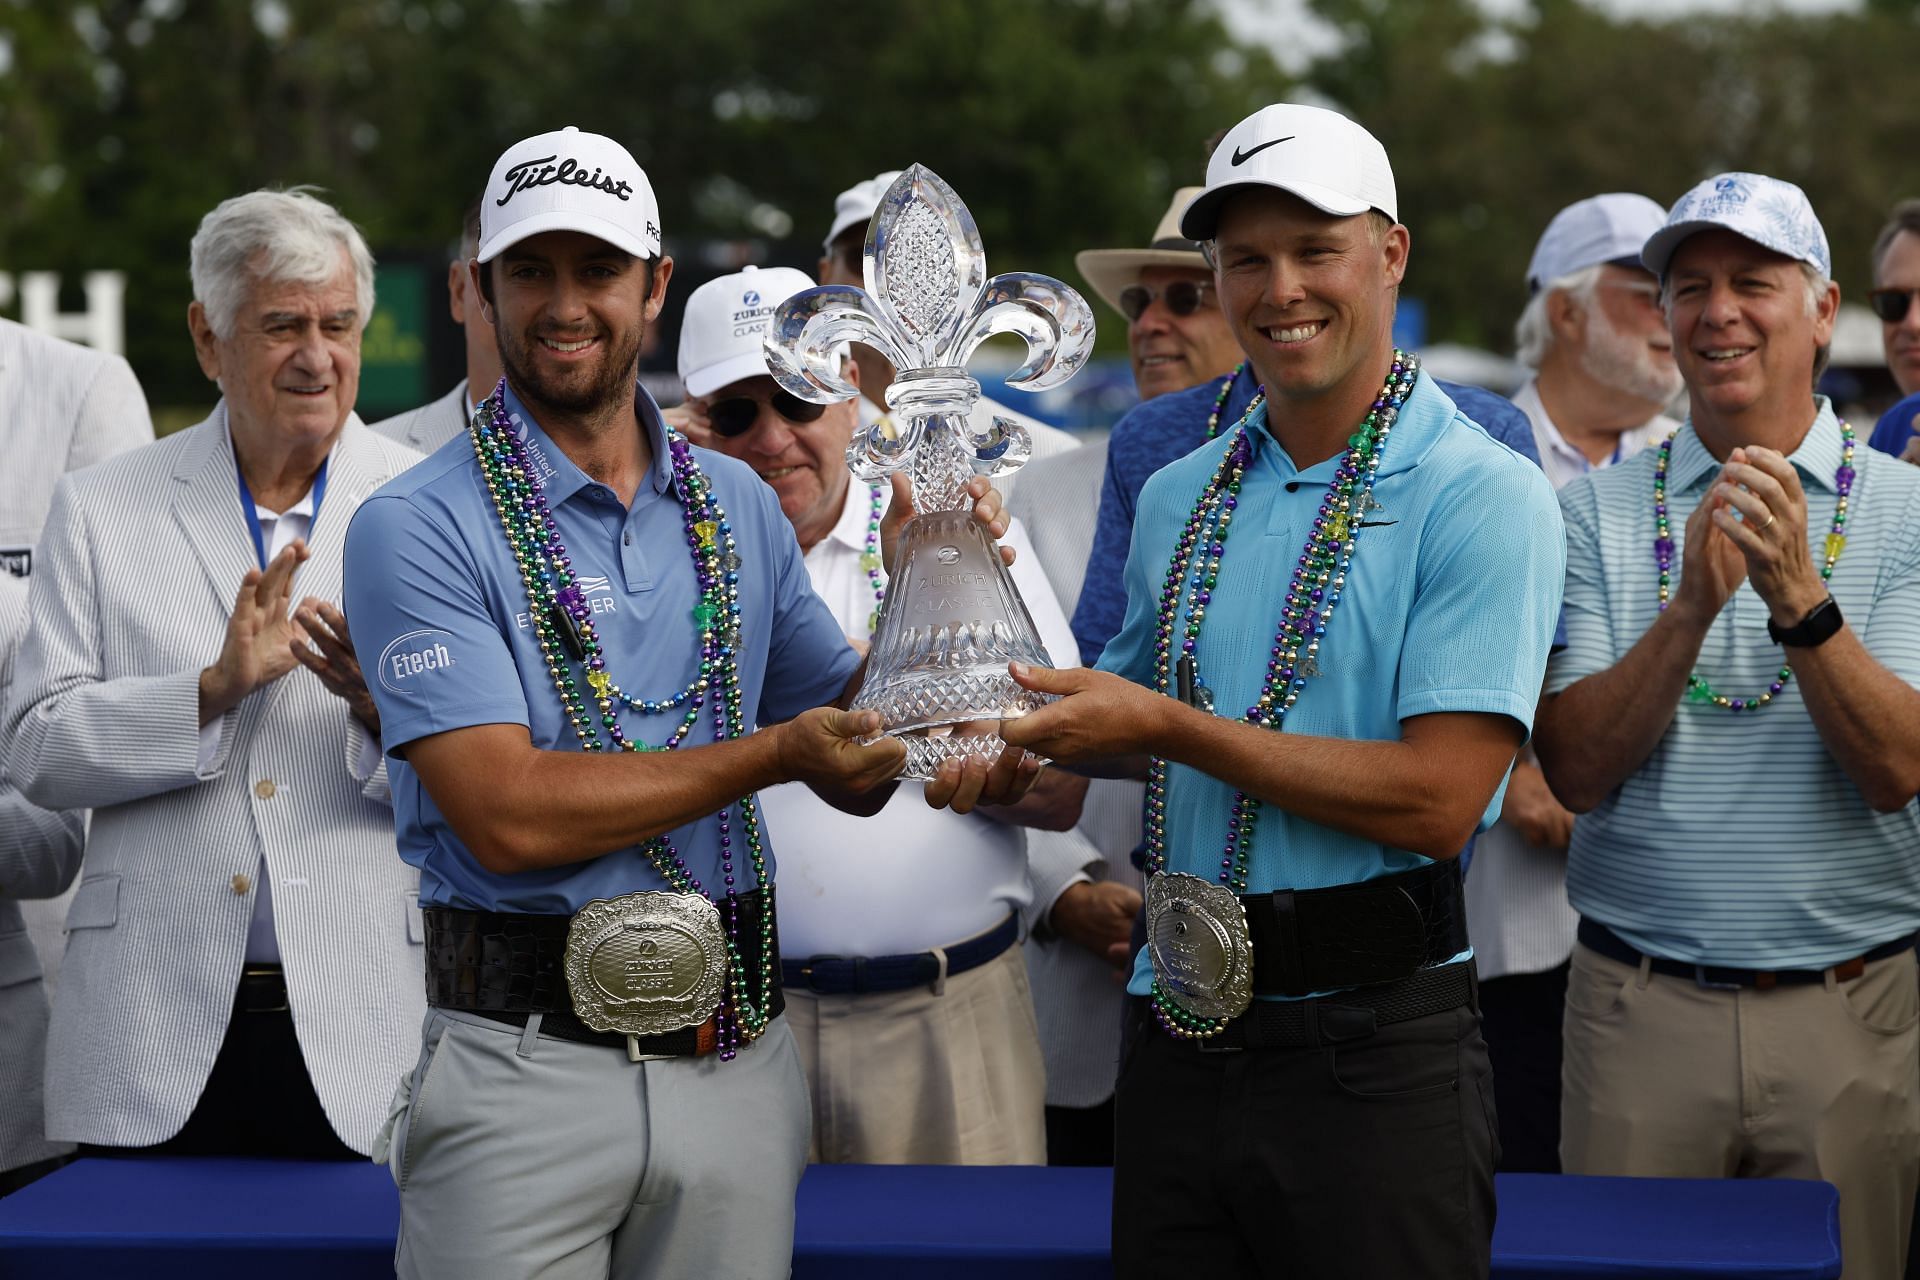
(579, 397)
(1625, 363)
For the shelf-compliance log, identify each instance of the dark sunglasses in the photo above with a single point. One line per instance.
(735, 417)
(1183, 298)
(1891, 304)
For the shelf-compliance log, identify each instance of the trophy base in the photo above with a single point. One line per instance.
(930, 712)
(927, 750)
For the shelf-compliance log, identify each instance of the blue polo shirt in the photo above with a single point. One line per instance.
(1157, 431)
(439, 615)
(1450, 605)
(1896, 426)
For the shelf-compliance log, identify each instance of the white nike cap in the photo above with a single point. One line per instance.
(723, 333)
(569, 181)
(1318, 155)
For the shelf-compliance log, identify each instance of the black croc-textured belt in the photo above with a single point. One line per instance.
(507, 967)
(1344, 1015)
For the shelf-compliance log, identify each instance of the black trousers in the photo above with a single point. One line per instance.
(1522, 1013)
(1080, 1135)
(1366, 1159)
(259, 1100)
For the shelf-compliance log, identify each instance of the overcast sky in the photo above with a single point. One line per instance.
(1296, 37)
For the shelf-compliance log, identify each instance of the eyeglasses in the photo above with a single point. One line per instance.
(736, 416)
(1183, 298)
(1891, 304)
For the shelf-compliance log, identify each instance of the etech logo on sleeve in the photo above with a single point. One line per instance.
(412, 657)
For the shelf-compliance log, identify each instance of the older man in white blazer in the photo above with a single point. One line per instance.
(243, 972)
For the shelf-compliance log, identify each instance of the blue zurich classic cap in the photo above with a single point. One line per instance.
(1772, 213)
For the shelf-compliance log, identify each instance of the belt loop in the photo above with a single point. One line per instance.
(1645, 974)
(529, 1035)
(940, 979)
(1831, 978)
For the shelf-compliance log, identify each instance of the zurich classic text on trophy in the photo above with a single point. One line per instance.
(952, 618)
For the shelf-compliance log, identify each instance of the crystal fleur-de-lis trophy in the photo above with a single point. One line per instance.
(937, 669)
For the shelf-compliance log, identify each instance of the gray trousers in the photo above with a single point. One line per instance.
(518, 1155)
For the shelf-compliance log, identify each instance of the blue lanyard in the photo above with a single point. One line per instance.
(253, 512)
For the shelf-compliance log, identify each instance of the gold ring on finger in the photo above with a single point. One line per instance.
(1769, 524)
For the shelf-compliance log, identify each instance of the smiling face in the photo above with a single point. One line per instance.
(290, 367)
(805, 463)
(570, 312)
(1171, 352)
(1743, 334)
(1309, 296)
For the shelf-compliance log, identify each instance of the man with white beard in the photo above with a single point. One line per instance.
(1595, 337)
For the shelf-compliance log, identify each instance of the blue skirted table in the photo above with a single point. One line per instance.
(284, 1220)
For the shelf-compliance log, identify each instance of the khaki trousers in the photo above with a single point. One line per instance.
(1665, 1078)
(919, 1077)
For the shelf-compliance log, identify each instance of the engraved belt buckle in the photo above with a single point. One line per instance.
(1198, 941)
(648, 963)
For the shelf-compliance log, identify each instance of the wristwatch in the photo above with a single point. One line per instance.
(1816, 628)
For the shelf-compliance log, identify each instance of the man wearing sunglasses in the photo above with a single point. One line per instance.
(1896, 285)
(905, 984)
(1176, 335)
(841, 263)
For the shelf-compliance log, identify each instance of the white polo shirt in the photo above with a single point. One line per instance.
(911, 877)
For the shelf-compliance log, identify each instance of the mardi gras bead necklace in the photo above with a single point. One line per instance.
(1226, 393)
(1319, 577)
(870, 558)
(1698, 690)
(563, 625)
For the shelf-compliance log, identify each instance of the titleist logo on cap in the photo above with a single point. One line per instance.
(544, 173)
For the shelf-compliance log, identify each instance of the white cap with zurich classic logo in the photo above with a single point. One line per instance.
(569, 181)
(1772, 213)
(1318, 155)
(723, 333)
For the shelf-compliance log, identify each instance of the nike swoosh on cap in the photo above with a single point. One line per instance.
(1241, 157)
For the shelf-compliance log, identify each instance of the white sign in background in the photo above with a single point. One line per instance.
(101, 325)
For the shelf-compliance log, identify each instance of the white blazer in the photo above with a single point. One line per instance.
(431, 425)
(62, 407)
(132, 589)
(39, 855)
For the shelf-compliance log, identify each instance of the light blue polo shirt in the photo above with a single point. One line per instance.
(439, 616)
(1450, 605)
(1741, 841)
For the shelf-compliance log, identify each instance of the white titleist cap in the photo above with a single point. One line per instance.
(569, 181)
(1600, 229)
(856, 204)
(726, 323)
(1318, 155)
(1771, 212)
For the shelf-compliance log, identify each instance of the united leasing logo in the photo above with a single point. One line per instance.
(411, 655)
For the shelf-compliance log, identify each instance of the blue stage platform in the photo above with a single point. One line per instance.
(211, 1219)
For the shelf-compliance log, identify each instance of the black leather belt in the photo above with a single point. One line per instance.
(1356, 935)
(262, 989)
(853, 975)
(1344, 1015)
(507, 967)
(1597, 937)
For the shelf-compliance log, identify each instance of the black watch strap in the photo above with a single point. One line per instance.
(1816, 628)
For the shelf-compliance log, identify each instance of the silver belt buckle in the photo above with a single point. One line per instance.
(648, 963)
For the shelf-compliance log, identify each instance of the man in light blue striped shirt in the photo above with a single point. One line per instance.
(1740, 732)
